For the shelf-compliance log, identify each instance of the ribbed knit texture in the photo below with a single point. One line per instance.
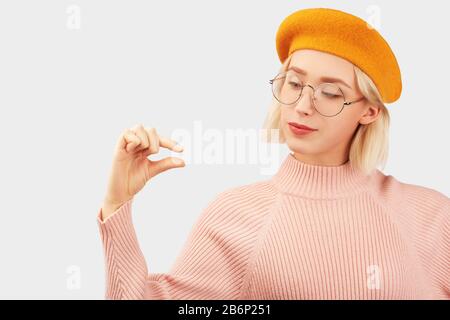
(308, 232)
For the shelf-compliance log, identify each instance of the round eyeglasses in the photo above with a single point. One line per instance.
(328, 99)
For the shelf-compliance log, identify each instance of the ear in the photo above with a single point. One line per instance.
(371, 113)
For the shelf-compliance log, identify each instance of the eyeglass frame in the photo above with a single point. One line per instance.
(314, 91)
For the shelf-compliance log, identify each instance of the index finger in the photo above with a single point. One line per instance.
(170, 144)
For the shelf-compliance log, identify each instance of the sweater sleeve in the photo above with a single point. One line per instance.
(431, 220)
(440, 260)
(125, 264)
(211, 265)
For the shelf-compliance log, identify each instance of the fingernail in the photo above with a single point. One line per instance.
(177, 161)
(178, 147)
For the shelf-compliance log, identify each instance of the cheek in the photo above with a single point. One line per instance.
(337, 132)
(283, 120)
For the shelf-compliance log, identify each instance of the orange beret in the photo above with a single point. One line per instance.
(346, 36)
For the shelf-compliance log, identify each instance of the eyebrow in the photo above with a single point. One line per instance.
(322, 79)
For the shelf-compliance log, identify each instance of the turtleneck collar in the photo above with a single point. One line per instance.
(298, 178)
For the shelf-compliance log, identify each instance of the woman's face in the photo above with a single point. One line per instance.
(329, 145)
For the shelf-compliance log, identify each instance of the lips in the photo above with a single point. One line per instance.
(301, 126)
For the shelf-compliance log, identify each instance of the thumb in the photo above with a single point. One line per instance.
(156, 167)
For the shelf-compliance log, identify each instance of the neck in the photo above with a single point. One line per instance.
(335, 157)
(318, 181)
(325, 160)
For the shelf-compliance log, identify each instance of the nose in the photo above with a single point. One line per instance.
(305, 102)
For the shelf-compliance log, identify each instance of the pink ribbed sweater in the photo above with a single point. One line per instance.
(307, 232)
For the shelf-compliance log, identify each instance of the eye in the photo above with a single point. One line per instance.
(330, 95)
(295, 85)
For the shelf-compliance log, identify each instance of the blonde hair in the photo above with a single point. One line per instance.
(369, 146)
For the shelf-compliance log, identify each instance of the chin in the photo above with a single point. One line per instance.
(297, 146)
(301, 145)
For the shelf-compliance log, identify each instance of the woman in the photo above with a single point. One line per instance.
(328, 224)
